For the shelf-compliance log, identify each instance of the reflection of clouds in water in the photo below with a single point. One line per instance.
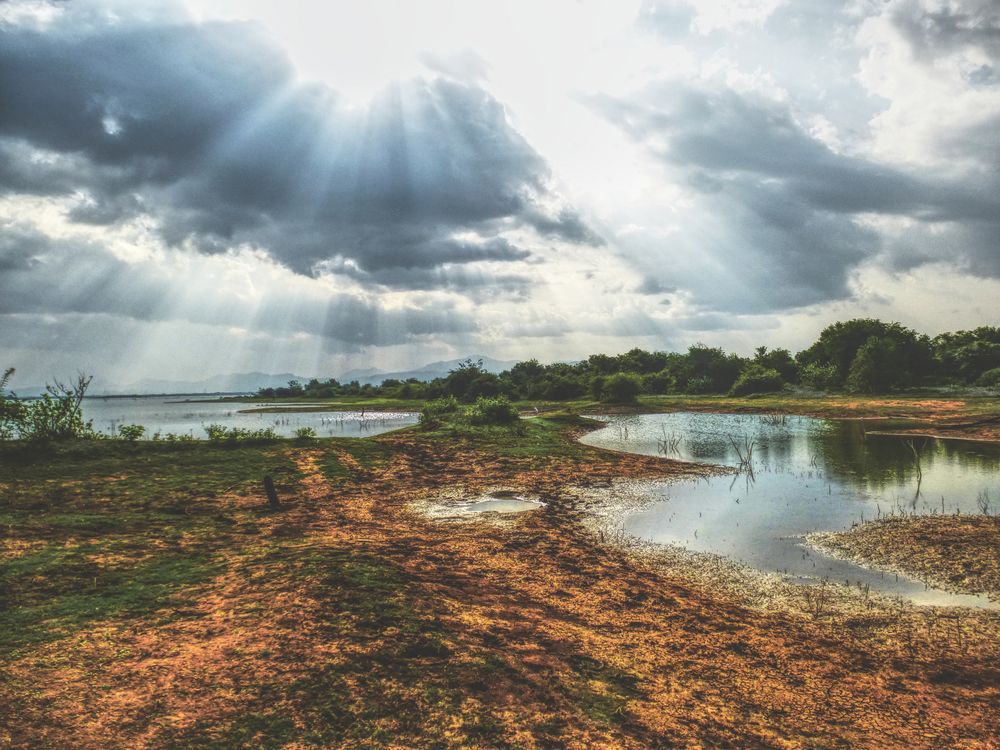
(809, 475)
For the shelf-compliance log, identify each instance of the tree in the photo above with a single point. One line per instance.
(873, 369)
(839, 343)
(622, 388)
(756, 378)
(780, 360)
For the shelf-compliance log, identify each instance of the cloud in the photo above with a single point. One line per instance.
(59, 277)
(945, 28)
(205, 129)
(784, 208)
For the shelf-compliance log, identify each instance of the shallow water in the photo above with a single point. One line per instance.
(502, 505)
(169, 414)
(809, 475)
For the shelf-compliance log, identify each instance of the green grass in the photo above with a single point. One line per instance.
(538, 437)
(104, 530)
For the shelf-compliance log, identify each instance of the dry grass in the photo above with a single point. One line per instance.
(350, 620)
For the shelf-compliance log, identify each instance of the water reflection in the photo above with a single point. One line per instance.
(167, 415)
(806, 475)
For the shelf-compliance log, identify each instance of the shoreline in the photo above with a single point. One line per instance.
(899, 546)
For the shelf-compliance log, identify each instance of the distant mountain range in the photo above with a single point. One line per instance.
(427, 372)
(249, 382)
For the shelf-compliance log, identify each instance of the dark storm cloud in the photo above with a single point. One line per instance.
(786, 204)
(205, 128)
(931, 33)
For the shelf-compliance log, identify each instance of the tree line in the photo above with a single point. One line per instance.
(863, 355)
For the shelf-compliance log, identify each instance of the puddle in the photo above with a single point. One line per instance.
(502, 502)
(503, 505)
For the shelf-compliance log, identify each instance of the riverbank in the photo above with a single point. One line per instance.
(956, 552)
(959, 416)
(152, 601)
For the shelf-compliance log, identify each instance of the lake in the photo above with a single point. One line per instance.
(165, 414)
(808, 475)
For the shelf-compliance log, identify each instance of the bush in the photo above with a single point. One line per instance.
(172, 437)
(305, 433)
(873, 369)
(131, 432)
(597, 387)
(437, 409)
(989, 379)
(498, 410)
(57, 415)
(820, 377)
(220, 434)
(756, 378)
(622, 388)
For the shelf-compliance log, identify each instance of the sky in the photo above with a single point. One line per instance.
(196, 188)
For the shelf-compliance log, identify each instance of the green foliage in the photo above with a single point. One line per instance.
(820, 377)
(989, 379)
(131, 432)
(217, 433)
(756, 378)
(56, 415)
(172, 437)
(469, 381)
(622, 388)
(597, 387)
(966, 356)
(704, 369)
(907, 353)
(305, 433)
(780, 360)
(438, 409)
(10, 408)
(872, 370)
(496, 410)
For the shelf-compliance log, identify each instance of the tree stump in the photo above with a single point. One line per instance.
(272, 496)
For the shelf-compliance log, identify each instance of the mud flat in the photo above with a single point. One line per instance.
(959, 553)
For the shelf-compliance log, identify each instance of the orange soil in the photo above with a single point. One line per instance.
(538, 598)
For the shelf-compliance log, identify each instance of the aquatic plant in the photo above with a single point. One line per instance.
(744, 454)
(668, 443)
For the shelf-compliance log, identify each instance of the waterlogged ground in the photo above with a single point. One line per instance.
(808, 475)
(170, 414)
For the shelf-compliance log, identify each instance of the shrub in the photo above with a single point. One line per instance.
(820, 377)
(874, 368)
(622, 388)
(131, 432)
(435, 410)
(56, 415)
(217, 433)
(172, 437)
(756, 378)
(990, 378)
(497, 410)
(305, 433)
(597, 387)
